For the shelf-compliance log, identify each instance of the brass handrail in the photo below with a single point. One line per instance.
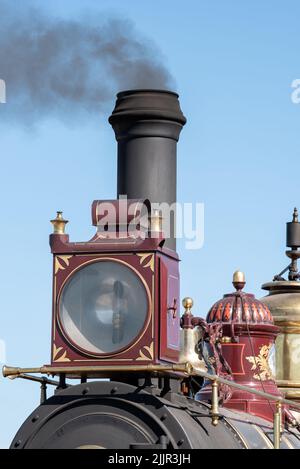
(277, 419)
(277, 426)
(242, 387)
(8, 371)
(186, 368)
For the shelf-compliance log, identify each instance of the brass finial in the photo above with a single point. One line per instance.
(295, 215)
(239, 280)
(59, 224)
(187, 303)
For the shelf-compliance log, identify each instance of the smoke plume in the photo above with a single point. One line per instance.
(66, 68)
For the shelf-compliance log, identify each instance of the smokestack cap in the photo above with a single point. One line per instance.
(135, 107)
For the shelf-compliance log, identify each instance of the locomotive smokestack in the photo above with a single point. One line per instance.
(147, 125)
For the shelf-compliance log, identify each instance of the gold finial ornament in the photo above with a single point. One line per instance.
(239, 276)
(187, 303)
(59, 224)
(239, 280)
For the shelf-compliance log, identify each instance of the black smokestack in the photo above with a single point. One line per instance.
(61, 68)
(147, 124)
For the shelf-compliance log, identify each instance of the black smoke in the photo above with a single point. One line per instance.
(67, 68)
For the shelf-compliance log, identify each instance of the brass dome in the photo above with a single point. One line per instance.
(283, 301)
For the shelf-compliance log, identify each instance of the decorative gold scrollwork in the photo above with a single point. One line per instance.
(63, 357)
(146, 353)
(150, 263)
(261, 364)
(61, 263)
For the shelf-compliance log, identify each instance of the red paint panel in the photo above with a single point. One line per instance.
(234, 355)
(169, 317)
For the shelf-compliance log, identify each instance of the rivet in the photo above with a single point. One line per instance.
(35, 418)
(180, 442)
(17, 443)
(85, 390)
(115, 389)
(163, 417)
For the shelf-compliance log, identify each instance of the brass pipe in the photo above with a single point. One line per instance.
(214, 403)
(277, 426)
(9, 371)
(186, 368)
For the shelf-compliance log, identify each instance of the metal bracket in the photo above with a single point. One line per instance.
(173, 308)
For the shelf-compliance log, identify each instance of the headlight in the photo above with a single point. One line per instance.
(103, 307)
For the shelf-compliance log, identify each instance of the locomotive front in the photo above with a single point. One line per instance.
(116, 320)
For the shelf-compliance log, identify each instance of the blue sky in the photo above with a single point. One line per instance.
(233, 64)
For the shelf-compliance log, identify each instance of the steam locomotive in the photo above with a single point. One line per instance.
(149, 377)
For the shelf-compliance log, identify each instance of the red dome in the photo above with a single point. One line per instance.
(246, 344)
(240, 307)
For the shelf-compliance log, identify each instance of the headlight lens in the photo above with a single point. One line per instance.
(103, 307)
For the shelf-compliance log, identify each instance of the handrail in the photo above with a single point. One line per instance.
(185, 368)
(277, 418)
(42, 380)
(242, 387)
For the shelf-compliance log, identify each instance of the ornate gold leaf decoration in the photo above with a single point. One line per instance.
(146, 353)
(150, 263)
(61, 263)
(63, 357)
(261, 363)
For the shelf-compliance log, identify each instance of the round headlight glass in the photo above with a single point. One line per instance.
(103, 307)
